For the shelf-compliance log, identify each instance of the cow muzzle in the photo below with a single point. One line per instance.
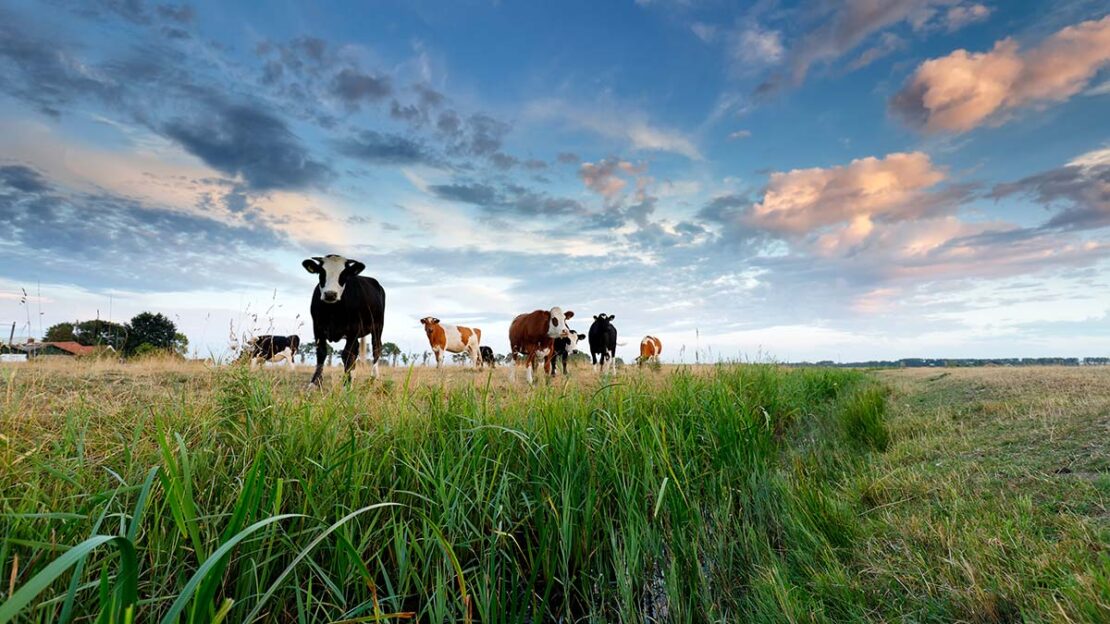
(330, 296)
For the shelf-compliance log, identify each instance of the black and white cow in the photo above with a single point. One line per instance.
(603, 342)
(486, 357)
(564, 348)
(345, 305)
(273, 349)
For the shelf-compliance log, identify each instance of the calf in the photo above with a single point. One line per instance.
(451, 338)
(564, 348)
(533, 334)
(603, 342)
(650, 348)
(273, 349)
(345, 305)
(486, 357)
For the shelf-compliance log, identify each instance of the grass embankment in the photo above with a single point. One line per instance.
(692, 496)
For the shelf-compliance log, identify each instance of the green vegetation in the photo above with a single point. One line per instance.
(732, 493)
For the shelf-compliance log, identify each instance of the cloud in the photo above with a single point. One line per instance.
(739, 134)
(605, 177)
(890, 188)
(102, 240)
(963, 90)
(631, 127)
(1082, 186)
(568, 158)
(889, 43)
(246, 140)
(754, 47)
(506, 199)
(385, 149)
(961, 15)
(355, 88)
(706, 32)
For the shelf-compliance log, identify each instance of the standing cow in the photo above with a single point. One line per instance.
(533, 335)
(603, 342)
(345, 305)
(564, 348)
(452, 338)
(650, 348)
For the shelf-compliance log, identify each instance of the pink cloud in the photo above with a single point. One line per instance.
(604, 177)
(963, 90)
(892, 188)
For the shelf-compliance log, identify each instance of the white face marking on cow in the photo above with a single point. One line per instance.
(334, 272)
(558, 323)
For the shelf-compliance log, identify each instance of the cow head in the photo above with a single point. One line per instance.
(334, 271)
(604, 318)
(429, 322)
(558, 324)
(572, 341)
(294, 343)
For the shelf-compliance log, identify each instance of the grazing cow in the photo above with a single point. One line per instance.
(603, 342)
(485, 356)
(273, 349)
(533, 335)
(345, 305)
(650, 348)
(564, 348)
(451, 338)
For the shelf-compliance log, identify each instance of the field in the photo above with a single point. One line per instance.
(170, 492)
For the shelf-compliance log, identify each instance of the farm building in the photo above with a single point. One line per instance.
(63, 349)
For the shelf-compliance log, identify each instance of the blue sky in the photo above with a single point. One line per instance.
(810, 180)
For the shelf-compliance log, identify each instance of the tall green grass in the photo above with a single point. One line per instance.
(685, 498)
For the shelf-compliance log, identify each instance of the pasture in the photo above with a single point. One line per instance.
(665, 494)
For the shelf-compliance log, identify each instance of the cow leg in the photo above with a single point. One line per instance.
(376, 340)
(563, 357)
(439, 357)
(350, 358)
(529, 364)
(321, 355)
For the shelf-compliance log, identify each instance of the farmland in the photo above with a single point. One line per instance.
(687, 494)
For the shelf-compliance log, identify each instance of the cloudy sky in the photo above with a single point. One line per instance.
(844, 180)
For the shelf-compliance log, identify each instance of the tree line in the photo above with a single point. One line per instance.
(145, 333)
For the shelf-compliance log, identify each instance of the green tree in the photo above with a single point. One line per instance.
(153, 329)
(97, 333)
(391, 350)
(181, 344)
(62, 332)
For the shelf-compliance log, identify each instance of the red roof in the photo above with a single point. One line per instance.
(72, 347)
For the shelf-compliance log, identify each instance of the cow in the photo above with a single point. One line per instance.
(650, 348)
(273, 349)
(451, 338)
(603, 342)
(533, 334)
(485, 356)
(345, 305)
(564, 348)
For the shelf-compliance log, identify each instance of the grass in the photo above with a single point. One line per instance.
(171, 492)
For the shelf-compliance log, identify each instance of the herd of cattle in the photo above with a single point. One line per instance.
(349, 306)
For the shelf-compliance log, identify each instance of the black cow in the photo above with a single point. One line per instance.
(485, 356)
(564, 347)
(345, 305)
(273, 349)
(603, 341)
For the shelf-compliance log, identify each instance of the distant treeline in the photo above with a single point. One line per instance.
(963, 362)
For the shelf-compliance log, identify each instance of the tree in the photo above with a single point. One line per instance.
(62, 332)
(391, 350)
(181, 344)
(153, 329)
(97, 333)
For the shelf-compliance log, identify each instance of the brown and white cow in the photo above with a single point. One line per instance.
(650, 348)
(452, 339)
(533, 335)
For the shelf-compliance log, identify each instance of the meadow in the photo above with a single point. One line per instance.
(170, 492)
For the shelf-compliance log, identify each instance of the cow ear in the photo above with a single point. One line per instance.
(435, 320)
(312, 265)
(354, 267)
(612, 316)
(569, 314)
(596, 317)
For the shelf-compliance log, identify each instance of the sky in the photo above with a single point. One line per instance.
(759, 180)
